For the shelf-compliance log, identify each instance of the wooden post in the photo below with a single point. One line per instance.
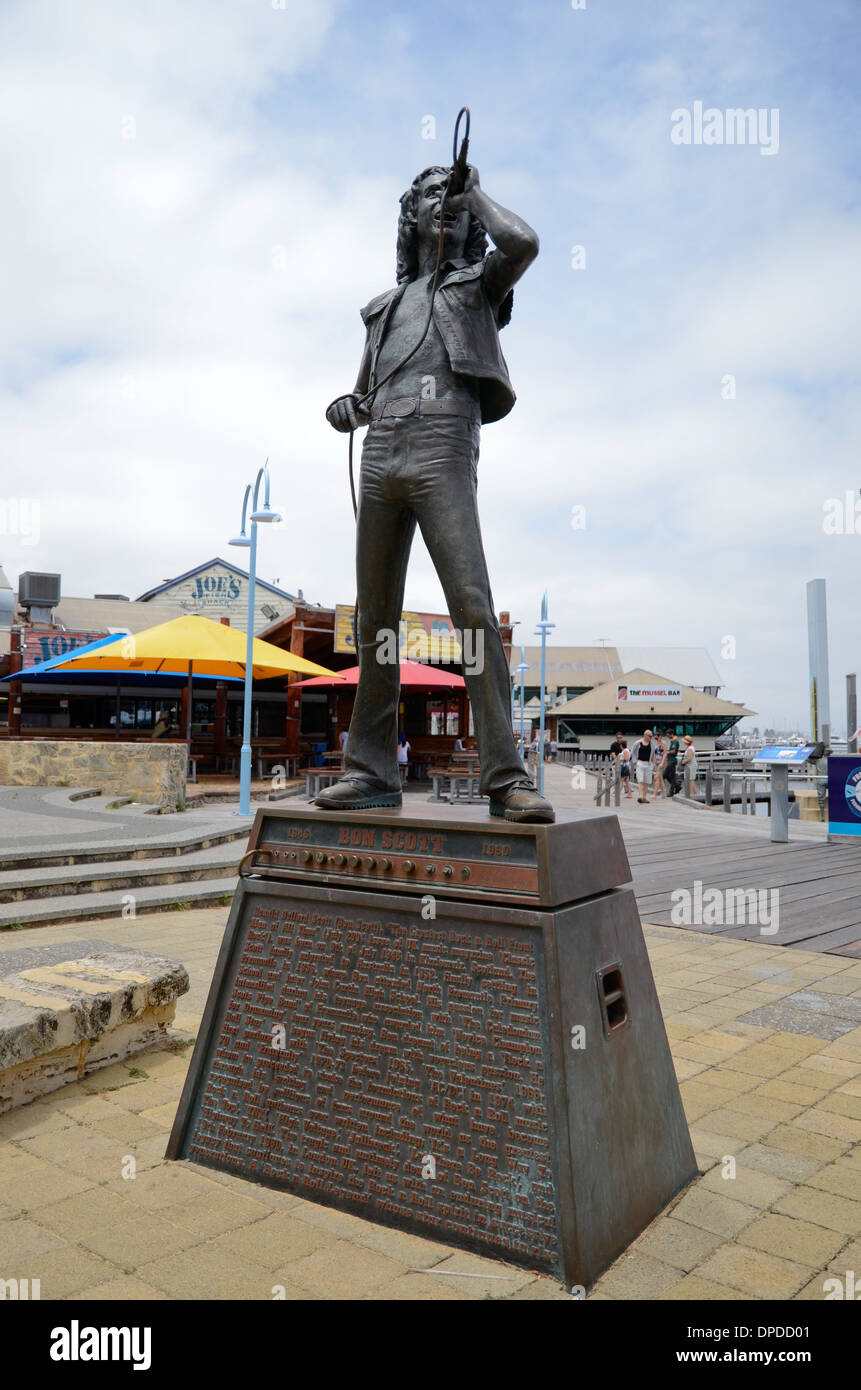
(727, 791)
(16, 661)
(709, 784)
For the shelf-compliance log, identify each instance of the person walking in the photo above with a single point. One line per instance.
(641, 757)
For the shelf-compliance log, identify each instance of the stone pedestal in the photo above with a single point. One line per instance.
(447, 1025)
(68, 1010)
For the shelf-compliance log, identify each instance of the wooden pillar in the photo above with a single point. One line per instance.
(16, 661)
(294, 696)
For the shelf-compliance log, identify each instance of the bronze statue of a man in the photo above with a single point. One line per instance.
(419, 465)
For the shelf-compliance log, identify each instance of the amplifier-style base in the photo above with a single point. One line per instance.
(495, 1076)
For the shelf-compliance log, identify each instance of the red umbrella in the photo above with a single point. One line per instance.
(414, 676)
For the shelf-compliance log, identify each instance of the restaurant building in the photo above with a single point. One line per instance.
(637, 700)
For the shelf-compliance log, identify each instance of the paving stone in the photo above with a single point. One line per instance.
(544, 1290)
(27, 1120)
(714, 1211)
(21, 1239)
(677, 1243)
(848, 1257)
(17, 1159)
(276, 1240)
(132, 1243)
(751, 1186)
(341, 1270)
(637, 1276)
(41, 1186)
(66, 1270)
(694, 1288)
(206, 1272)
(754, 1272)
(779, 1162)
(792, 1091)
(736, 1124)
(840, 1177)
(715, 1146)
(822, 1208)
(213, 1213)
(74, 1216)
(125, 1288)
(792, 1239)
(825, 1122)
(161, 1186)
(839, 1103)
(820, 1290)
(755, 1104)
(125, 1126)
(800, 1141)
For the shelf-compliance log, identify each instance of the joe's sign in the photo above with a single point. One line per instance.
(47, 644)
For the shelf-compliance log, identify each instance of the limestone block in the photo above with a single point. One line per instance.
(66, 1010)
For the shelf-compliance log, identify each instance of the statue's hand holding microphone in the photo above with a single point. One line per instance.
(348, 413)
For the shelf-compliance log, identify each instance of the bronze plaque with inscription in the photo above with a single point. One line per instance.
(409, 1056)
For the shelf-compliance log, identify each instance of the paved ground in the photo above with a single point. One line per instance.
(781, 1097)
(44, 818)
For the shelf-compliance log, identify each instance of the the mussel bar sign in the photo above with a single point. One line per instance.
(653, 694)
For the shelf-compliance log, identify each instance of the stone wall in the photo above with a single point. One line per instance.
(153, 773)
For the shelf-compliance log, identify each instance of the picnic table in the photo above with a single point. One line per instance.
(316, 778)
(462, 784)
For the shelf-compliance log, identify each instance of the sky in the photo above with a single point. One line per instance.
(200, 197)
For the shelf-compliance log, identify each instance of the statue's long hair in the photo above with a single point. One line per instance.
(408, 257)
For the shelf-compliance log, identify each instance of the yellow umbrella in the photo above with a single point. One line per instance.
(192, 643)
(191, 646)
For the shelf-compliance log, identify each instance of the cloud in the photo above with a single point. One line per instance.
(200, 197)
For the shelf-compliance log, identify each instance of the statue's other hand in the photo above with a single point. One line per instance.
(342, 414)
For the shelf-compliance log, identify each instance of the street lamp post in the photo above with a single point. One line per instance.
(521, 675)
(258, 514)
(542, 630)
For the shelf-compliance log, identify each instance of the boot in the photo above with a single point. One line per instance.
(354, 794)
(523, 803)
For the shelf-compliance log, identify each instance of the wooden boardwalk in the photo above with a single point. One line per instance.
(814, 886)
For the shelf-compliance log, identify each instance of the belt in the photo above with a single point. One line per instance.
(403, 406)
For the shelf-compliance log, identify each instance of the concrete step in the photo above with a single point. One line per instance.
(117, 903)
(109, 850)
(25, 885)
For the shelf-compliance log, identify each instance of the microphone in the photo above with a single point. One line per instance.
(457, 177)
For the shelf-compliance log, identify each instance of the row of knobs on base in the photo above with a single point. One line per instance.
(355, 860)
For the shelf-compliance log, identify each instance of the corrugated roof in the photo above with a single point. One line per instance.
(690, 665)
(106, 614)
(569, 666)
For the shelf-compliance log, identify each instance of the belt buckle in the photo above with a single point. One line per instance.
(401, 406)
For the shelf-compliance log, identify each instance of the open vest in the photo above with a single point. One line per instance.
(467, 324)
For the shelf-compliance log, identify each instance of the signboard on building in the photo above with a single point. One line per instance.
(218, 590)
(422, 636)
(648, 694)
(844, 795)
(43, 644)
